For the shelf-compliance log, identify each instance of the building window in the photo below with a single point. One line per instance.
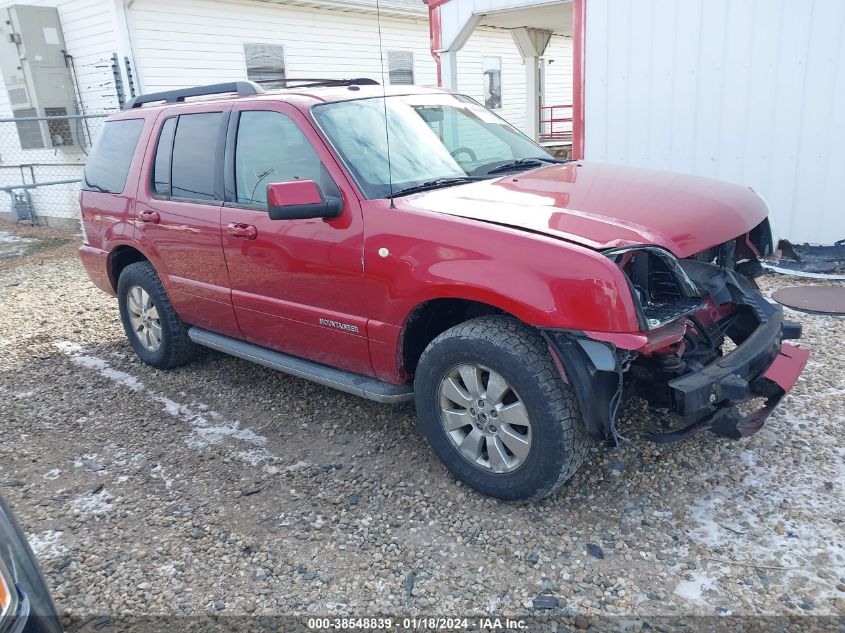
(265, 64)
(400, 66)
(492, 67)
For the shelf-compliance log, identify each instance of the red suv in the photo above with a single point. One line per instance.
(401, 243)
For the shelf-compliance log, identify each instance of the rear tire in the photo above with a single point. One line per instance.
(153, 328)
(493, 407)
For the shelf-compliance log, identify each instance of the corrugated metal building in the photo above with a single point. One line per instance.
(747, 91)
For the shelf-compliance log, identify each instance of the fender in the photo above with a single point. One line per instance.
(412, 257)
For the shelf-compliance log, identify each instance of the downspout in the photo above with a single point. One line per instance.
(434, 34)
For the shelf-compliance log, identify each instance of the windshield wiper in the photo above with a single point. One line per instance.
(525, 163)
(433, 184)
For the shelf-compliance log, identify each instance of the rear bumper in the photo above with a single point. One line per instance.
(96, 264)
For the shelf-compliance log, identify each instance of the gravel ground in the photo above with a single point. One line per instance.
(226, 488)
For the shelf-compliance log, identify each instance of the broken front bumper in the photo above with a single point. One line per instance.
(702, 397)
(760, 367)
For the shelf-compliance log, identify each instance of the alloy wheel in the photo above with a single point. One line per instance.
(485, 418)
(144, 318)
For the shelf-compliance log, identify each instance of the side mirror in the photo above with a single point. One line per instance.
(300, 199)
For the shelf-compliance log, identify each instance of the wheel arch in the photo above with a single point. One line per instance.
(120, 257)
(434, 316)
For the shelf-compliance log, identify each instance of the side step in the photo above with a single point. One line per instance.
(356, 384)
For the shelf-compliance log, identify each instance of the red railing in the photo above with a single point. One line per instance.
(556, 123)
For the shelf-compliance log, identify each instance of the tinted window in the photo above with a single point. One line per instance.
(164, 150)
(108, 163)
(271, 148)
(195, 156)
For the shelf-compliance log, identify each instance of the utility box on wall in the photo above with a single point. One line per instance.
(37, 75)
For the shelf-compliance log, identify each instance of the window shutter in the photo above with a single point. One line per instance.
(265, 64)
(400, 66)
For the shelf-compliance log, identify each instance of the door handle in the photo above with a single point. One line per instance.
(242, 231)
(149, 216)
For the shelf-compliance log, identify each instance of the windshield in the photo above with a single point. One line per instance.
(434, 140)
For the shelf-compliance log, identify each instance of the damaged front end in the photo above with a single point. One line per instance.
(708, 342)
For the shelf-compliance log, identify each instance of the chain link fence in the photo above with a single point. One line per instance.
(41, 165)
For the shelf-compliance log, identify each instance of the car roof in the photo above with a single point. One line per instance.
(302, 97)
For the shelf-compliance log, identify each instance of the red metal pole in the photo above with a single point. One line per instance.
(434, 34)
(578, 32)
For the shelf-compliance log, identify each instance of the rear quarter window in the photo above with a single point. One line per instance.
(109, 161)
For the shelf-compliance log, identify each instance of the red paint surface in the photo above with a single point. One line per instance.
(297, 272)
(603, 206)
(280, 194)
(787, 367)
(524, 243)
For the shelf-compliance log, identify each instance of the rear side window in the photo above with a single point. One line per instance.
(109, 161)
(187, 157)
(195, 156)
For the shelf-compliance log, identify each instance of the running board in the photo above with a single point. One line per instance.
(356, 384)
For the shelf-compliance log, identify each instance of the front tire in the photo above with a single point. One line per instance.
(152, 326)
(493, 407)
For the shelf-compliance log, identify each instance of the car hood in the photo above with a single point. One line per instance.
(605, 206)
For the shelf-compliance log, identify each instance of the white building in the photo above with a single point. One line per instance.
(150, 45)
(747, 91)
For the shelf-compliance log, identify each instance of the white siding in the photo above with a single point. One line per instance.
(497, 42)
(490, 42)
(201, 41)
(558, 71)
(748, 91)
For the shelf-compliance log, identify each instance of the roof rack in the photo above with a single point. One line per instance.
(315, 83)
(243, 88)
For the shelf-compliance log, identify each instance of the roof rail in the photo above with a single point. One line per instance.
(314, 83)
(243, 88)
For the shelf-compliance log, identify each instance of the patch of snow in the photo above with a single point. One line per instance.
(99, 503)
(53, 474)
(9, 238)
(47, 544)
(693, 590)
(787, 520)
(159, 472)
(208, 427)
